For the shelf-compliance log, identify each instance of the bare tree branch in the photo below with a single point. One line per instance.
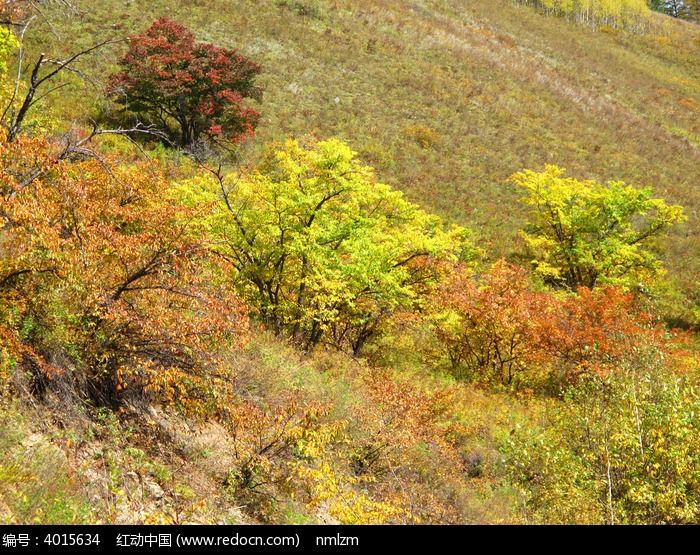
(36, 81)
(79, 148)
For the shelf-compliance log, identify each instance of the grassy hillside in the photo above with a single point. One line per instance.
(448, 99)
(481, 399)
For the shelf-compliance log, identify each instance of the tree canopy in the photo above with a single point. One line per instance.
(99, 268)
(615, 13)
(581, 233)
(321, 249)
(172, 80)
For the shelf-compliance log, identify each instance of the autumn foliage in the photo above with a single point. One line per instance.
(584, 233)
(387, 377)
(323, 251)
(103, 284)
(172, 80)
(498, 329)
(596, 13)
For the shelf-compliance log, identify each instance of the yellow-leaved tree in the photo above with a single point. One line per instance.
(321, 249)
(583, 233)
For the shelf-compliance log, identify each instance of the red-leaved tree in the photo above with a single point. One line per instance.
(171, 80)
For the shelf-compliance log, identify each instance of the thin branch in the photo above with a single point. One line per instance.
(36, 81)
(64, 64)
(47, 93)
(84, 76)
(78, 148)
(14, 129)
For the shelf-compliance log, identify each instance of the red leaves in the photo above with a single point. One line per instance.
(166, 75)
(491, 322)
(598, 331)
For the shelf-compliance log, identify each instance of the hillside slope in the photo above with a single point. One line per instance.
(486, 399)
(448, 99)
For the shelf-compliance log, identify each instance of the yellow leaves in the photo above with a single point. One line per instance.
(359, 509)
(311, 442)
(298, 445)
(585, 233)
(8, 44)
(323, 251)
(424, 136)
(335, 490)
(616, 13)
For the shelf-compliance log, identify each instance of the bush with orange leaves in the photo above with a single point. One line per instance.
(497, 329)
(105, 288)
